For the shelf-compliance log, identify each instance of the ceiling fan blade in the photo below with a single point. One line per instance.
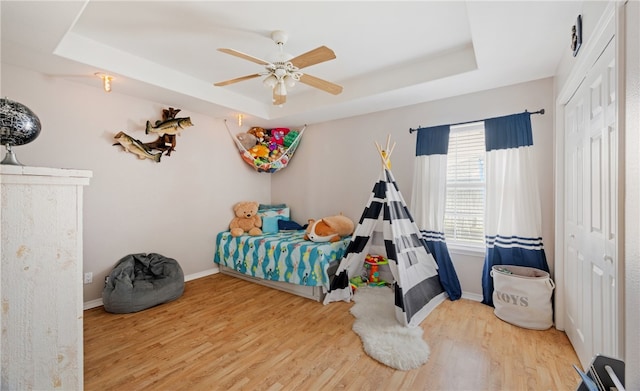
(312, 57)
(321, 84)
(243, 55)
(237, 79)
(279, 99)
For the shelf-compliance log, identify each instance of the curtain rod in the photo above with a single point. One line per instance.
(541, 111)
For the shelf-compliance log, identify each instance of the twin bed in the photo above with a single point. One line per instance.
(281, 260)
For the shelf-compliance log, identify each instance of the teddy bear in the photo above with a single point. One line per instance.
(329, 229)
(247, 219)
(260, 134)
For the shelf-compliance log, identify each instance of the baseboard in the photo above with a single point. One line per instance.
(201, 274)
(98, 302)
(472, 296)
(92, 304)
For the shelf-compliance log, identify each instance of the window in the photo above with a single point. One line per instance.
(464, 210)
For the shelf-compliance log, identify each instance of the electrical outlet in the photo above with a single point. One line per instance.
(88, 278)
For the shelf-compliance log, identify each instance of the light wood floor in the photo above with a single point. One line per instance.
(228, 334)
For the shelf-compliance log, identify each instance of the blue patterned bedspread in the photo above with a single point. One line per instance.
(283, 256)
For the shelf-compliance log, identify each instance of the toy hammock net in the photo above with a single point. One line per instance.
(270, 156)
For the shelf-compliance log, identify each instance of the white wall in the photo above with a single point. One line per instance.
(591, 13)
(337, 164)
(174, 208)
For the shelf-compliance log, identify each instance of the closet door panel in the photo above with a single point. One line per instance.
(591, 210)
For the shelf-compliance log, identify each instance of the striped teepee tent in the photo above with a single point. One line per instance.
(387, 228)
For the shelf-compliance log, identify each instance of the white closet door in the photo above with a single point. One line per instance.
(591, 186)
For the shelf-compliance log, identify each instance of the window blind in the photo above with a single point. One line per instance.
(464, 209)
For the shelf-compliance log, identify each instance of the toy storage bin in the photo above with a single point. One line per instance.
(522, 296)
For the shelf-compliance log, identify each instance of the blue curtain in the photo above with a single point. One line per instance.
(428, 201)
(512, 215)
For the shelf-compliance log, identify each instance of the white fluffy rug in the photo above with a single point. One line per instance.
(383, 337)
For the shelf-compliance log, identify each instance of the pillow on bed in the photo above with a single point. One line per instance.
(274, 206)
(289, 225)
(270, 224)
(270, 215)
(274, 210)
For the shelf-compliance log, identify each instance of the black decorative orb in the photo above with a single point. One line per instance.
(18, 126)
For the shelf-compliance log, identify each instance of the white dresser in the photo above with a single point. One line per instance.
(41, 278)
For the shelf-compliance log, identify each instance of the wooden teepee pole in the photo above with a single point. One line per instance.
(385, 154)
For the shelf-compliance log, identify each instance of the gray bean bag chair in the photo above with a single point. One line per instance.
(141, 281)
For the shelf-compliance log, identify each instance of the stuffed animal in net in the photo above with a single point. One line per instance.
(247, 140)
(329, 229)
(260, 133)
(246, 219)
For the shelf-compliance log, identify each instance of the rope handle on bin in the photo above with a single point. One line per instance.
(550, 283)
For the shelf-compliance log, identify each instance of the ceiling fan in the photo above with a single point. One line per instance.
(284, 71)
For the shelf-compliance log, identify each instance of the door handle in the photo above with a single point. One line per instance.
(609, 258)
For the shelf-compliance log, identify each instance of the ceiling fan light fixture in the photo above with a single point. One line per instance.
(284, 71)
(280, 57)
(270, 81)
(280, 73)
(289, 81)
(280, 89)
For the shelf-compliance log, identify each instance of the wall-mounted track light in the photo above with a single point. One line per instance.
(106, 81)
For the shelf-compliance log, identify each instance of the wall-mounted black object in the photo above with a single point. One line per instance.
(576, 36)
